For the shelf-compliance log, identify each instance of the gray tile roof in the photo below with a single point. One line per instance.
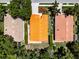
(51, 1)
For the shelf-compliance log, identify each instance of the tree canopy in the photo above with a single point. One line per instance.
(20, 8)
(74, 48)
(2, 12)
(72, 11)
(6, 47)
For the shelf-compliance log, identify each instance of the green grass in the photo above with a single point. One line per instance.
(26, 33)
(60, 44)
(1, 27)
(37, 46)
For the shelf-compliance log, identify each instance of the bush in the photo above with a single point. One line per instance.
(60, 53)
(10, 50)
(7, 46)
(74, 48)
(63, 53)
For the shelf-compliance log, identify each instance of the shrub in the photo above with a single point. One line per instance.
(74, 48)
(7, 47)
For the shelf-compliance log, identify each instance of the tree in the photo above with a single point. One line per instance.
(7, 47)
(21, 9)
(21, 52)
(53, 11)
(74, 48)
(2, 12)
(63, 53)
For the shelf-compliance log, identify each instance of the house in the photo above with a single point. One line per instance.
(36, 5)
(64, 28)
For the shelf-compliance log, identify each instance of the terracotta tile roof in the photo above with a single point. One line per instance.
(63, 28)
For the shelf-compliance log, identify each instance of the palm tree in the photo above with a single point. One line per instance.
(53, 11)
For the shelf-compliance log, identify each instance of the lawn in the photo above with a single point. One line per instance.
(60, 44)
(1, 27)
